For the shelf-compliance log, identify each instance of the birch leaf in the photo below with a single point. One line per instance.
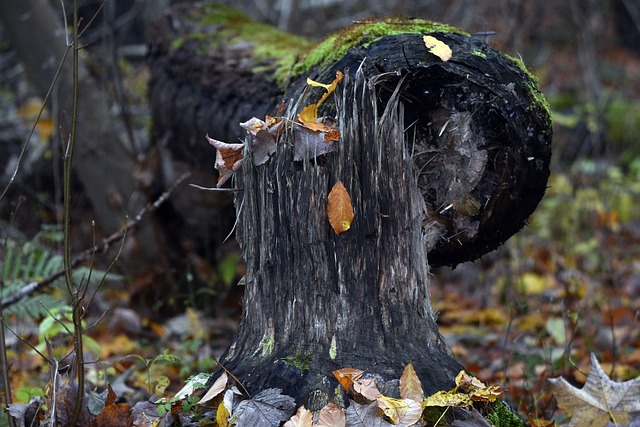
(400, 411)
(410, 385)
(599, 400)
(340, 209)
(331, 415)
(302, 418)
(438, 48)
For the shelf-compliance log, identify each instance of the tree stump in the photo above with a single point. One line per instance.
(443, 159)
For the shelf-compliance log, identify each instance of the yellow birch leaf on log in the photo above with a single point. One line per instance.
(489, 394)
(340, 209)
(410, 385)
(405, 411)
(438, 48)
(448, 398)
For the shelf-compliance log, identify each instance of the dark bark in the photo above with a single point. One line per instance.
(443, 160)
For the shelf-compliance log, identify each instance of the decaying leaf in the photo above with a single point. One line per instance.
(438, 48)
(218, 387)
(365, 415)
(400, 411)
(599, 400)
(222, 415)
(340, 209)
(229, 158)
(116, 414)
(331, 415)
(145, 414)
(268, 409)
(26, 414)
(302, 418)
(308, 144)
(346, 376)
(410, 385)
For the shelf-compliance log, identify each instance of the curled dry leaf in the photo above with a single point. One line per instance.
(438, 48)
(346, 376)
(400, 411)
(367, 388)
(218, 387)
(340, 209)
(448, 398)
(229, 158)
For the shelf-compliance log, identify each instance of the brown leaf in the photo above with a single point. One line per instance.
(117, 414)
(229, 158)
(367, 388)
(331, 416)
(302, 418)
(340, 209)
(308, 144)
(364, 415)
(218, 387)
(345, 376)
(410, 385)
(599, 400)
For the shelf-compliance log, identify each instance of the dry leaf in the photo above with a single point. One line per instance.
(364, 415)
(331, 416)
(308, 144)
(599, 400)
(228, 159)
(366, 387)
(309, 114)
(438, 48)
(448, 398)
(400, 411)
(340, 209)
(268, 408)
(302, 418)
(467, 382)
(346, 376)
(117, 414)
(410, 385)
(488, 394)
(218, 387)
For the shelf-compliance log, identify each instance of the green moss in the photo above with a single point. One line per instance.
(502, 416)
(363, 33)
(537, 96)
(301, 361)
(480, 54)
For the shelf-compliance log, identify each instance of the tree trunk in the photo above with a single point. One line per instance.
(444, 160)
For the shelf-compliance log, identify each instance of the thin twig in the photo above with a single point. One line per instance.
(101, 247)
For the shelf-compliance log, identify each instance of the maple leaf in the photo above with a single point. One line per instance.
(438, 48)
(599, 400)
(340, 209)
(228, 159)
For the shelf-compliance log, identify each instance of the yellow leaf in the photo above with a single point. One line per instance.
(222, 416)
(467, 382)
(438, 48)
(410, 385)
(489, 394)
(340, 209)
(405, 411)
(309, 114)
(448, 398)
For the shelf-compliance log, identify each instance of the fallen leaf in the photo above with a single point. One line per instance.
(268, 408)
(308, 144)
(346, 376)
(26, 414)
(309, 114)
(358, 415)
(222, 415)
(400, 411)
(340, 209)
(599, 400)
(331, 415)
(488, 394)
(229, 158)
(448, 398)
(145, 414)
(218, 387)
(117, 414)
(467, 382)
(438, 48)
(410, 385)
(366, 387)
(302, 418)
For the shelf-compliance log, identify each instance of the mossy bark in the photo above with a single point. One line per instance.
(443, 160)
